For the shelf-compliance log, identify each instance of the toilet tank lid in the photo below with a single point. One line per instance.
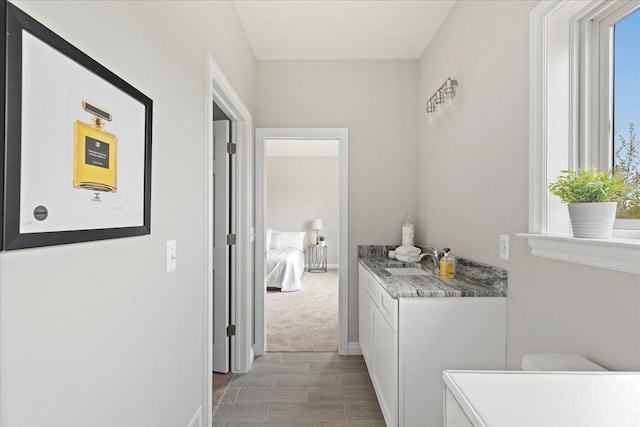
(558, 362)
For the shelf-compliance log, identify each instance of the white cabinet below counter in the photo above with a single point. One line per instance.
(408, 342)
(379, 343)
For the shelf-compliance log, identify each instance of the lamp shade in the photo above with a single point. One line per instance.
(317, 224)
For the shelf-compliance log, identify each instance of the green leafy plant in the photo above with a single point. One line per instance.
(589, 186)
(321, 238)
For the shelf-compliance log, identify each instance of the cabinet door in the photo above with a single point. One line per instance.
(385, 342)
(365, 318)
(365, 329)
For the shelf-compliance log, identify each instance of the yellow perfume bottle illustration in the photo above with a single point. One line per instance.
(95, 152)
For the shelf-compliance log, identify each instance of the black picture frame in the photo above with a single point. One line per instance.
(14, 24)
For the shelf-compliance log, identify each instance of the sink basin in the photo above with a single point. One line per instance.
(409, 271)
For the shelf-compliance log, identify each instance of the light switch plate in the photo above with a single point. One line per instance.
(504, 247)
(171, 256)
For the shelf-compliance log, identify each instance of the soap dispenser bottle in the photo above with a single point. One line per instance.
(447, 265)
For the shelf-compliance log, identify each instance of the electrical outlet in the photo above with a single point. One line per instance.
(171, 256)
(504, 247)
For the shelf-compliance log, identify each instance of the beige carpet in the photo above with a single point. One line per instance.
(306, 320)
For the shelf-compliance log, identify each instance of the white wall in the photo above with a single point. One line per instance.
(300, 189)
(376, 101)
(474, 187)
(98, 334)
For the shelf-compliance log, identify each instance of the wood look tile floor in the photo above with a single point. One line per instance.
(301, 390)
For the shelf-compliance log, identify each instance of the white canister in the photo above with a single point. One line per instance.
(408, 232)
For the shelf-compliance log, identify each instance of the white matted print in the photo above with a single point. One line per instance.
(54, 88)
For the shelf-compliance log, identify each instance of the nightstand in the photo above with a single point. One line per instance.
(317, 259)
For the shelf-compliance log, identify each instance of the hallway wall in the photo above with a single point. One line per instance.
(376, 101)
(98, 334)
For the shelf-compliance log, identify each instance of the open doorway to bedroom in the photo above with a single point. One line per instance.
(301, 240)
(302, 219)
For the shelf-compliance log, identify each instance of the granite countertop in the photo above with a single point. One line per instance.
(472, 279)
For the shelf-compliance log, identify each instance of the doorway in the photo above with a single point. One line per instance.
(302, 268)
(221, 92)
(263, 136)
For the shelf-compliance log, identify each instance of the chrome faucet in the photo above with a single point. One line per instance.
(435, 254)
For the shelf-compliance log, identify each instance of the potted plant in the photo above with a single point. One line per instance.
(591, 197)
(322, 241)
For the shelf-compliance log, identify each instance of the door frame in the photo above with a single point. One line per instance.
(218, 89)
(342, 135)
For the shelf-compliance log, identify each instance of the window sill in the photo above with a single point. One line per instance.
(620, 254)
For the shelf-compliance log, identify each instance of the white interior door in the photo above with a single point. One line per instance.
(221, 251)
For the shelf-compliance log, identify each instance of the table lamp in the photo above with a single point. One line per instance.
(317, 225)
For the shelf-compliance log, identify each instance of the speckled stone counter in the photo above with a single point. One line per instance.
(472, 279)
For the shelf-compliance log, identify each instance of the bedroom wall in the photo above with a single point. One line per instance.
(474, 187)
(98, 334)
(376, 101)
(300, 189)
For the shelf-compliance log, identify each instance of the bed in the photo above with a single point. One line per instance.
(284, 260)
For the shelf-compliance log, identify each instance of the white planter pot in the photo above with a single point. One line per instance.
(592, 220)
(323, 243)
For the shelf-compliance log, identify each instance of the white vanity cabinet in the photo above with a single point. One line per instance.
(379, 342)
(408, 342)
(385, 356)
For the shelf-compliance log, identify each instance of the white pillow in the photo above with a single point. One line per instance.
(267, 243)
(288, 239)
(273, 239)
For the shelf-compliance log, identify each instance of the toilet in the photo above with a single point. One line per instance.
(558, 362)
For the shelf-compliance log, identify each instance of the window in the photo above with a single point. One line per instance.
(626, 111)
(582, 83)
(608, 68)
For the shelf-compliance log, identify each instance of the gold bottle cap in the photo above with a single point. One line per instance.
(96, 110)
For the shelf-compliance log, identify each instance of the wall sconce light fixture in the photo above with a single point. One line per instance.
(441, 99)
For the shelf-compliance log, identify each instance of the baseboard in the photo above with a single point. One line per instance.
(353, 348)
(329, 267)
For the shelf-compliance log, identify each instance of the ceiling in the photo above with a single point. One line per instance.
(340, 29)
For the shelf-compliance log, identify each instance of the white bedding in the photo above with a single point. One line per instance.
(284, 268)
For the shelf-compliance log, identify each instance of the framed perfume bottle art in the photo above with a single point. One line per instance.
(77, 145)
(95, 150)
